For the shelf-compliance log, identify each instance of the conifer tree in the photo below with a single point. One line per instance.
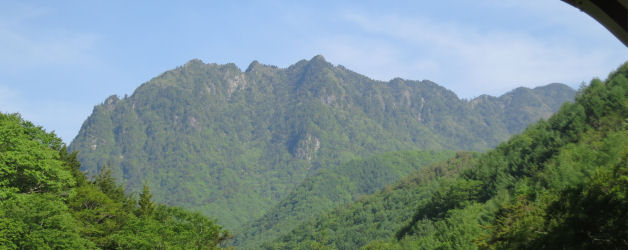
(146, 205)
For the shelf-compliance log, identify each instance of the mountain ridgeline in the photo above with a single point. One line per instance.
(560, 184)
(233, 144)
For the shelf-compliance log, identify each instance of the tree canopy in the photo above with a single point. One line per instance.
(47, 203)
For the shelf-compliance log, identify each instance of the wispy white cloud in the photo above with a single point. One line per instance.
(464, 58)
(21, 50)
(24, 45)
(31, 52)
(377, 59)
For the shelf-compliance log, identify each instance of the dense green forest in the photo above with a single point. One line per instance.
(234, 144)
(46, 202)
(372, 217)
(332, 187)
(561, 184)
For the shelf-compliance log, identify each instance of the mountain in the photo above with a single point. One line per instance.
(372, 217)
(233, 144)
(561, 184)
(518, 107)
(330, 187)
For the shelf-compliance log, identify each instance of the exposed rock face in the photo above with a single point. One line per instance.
(307, 147)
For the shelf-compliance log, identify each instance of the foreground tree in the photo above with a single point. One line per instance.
(47, 202)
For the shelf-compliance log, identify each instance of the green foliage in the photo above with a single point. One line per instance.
(561, 184)
(234, 144)
(35, 221)
(100, 215)
(146, 205)
(516, 225)
(374, 217)
(592, 214)
(30, 162)
(170, 228)
(332, 187)
(72, 163)
(106, 183)
(47, 203)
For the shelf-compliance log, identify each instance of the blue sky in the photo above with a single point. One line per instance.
(60, 58)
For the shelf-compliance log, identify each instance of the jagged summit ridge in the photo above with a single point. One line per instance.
(207, 135)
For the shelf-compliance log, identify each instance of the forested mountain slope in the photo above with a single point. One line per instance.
(561, 184)
(233, 144)
(331, 187)
(373, 217)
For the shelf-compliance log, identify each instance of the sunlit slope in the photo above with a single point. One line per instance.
(232, 144)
